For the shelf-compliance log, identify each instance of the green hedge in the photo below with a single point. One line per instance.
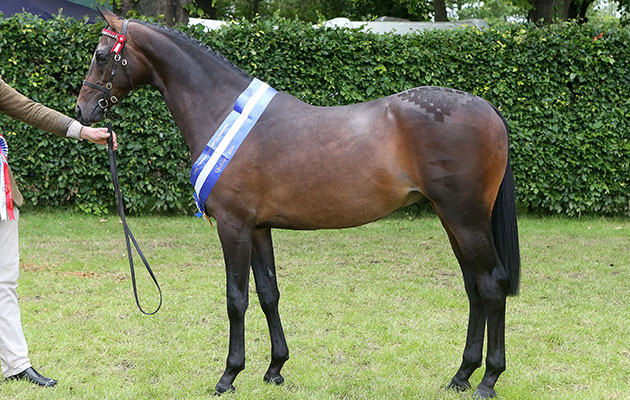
(564, 95)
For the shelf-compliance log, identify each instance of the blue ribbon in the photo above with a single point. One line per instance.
(228, 138)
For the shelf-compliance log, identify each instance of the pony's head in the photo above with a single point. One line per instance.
(117, 66)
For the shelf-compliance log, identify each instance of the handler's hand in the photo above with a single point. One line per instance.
(97, 135)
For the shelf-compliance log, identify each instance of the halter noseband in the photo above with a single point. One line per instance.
(117, 49)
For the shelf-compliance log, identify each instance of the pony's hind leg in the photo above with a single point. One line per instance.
(264, 268)
(486, 284)
(471, 360)
(237, 243)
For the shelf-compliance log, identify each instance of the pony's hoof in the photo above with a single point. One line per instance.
(274, 379)
(484, 393)
(458, 386)
(220, 389)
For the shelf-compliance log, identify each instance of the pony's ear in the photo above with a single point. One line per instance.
(114, 21)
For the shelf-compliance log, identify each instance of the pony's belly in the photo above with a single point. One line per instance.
(343, 210)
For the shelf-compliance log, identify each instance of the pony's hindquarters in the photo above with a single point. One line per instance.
(462, 167)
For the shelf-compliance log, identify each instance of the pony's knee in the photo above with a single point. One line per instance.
(269, 300)
(237, 305)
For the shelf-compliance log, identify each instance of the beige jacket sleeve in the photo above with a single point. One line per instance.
(20, 107)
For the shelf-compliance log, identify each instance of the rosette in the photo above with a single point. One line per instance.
(6, 195)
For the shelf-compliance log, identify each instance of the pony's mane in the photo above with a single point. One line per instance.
(197, 43)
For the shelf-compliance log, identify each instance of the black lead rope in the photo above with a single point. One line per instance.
(121, 211)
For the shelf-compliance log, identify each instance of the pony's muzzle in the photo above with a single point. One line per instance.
(90, 117)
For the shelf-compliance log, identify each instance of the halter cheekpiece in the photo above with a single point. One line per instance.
(117, 49)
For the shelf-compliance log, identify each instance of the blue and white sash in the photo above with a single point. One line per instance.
(227, 139)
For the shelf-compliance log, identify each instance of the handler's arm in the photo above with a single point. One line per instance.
(20, 107)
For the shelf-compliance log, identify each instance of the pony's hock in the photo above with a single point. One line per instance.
(307, 167)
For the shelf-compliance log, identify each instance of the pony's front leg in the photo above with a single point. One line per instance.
(264, 268)
(236, 241)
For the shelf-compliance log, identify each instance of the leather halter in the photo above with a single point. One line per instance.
(118, 52)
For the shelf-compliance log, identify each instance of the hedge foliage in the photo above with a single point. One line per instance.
(564, 94)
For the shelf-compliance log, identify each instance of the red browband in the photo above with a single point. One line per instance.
(120, 40)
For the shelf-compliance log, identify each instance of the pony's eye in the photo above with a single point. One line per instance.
(102, 57)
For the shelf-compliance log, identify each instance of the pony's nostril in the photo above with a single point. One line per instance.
(78, 112)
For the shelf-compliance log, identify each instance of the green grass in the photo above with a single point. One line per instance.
(376, 312)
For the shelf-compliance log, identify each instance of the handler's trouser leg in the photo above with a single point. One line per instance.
(13, 348)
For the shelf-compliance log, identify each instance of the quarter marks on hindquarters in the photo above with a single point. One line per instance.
(437, 102)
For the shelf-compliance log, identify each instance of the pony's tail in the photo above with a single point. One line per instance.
(505, 227)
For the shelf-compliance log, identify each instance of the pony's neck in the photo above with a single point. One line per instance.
(198, 87)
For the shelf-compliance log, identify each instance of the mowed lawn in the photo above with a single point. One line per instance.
(375, 312)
